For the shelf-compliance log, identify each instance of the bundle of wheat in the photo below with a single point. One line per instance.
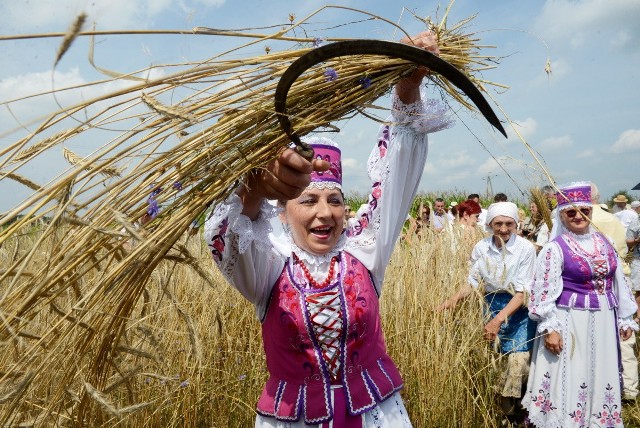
(180, 156)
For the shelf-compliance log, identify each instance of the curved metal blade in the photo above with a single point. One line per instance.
(384, 48)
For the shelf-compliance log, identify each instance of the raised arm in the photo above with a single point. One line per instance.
(395, 167)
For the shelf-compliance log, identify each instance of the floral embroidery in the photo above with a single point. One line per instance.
(573, 196)
(217, 242)
(352, 284)
(542, 400)
(578, 415)
(376, 191)
(545, 284)
(610, 415)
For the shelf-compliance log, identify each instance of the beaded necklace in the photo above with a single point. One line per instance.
(597, 249)
(310, 278)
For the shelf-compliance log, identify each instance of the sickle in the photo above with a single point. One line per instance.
(374, 47)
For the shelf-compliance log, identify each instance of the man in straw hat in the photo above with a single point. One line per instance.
(619, 203)
(316, 291)
(502, 265)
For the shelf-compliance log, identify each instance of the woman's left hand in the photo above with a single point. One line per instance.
(408, 88)
(625, 334)
(491, 329)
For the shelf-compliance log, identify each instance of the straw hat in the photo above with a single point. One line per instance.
(620, 198)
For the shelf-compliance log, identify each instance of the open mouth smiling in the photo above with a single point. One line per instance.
(321, 231)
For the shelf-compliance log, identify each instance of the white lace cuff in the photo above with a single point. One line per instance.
(424, 117)
(627, 323)
(549, 324)
(247, 231)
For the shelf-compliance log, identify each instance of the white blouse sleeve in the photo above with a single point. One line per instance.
(525, 268)
(395, 167)
(627, 305)
(475, 262)
(243, 251)
(547, 287)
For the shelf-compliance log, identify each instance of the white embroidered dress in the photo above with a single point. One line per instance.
(581, 386)
(252, 259)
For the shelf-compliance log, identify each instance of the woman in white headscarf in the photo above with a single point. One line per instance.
(583, 305)
(502, 268)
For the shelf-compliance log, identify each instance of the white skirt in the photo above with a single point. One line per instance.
(391, 413)
(581, 386)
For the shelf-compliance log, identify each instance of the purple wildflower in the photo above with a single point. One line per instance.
(155, 192)
(242, 377)
(184, 383)
(318, 41)
(177, 185)
(153, 208)
(365, 82)
(330, 74)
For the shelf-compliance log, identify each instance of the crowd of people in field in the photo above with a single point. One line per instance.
(558, 297)
(557, 278)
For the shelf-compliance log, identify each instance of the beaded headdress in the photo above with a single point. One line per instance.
(577, 194)
(329, 151)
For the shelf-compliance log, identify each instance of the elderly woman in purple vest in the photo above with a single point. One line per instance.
(583, 305)
(316, 289)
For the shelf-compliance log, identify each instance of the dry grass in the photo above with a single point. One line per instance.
(191, 354)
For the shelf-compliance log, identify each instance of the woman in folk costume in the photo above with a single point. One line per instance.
(583, 304)
(316, 292)
(502, 267)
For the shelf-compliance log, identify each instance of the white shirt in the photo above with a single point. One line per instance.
(443, 221)
(626, 217)
(503, 269)
(482, 218)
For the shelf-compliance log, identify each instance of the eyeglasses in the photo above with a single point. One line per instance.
(572, 213)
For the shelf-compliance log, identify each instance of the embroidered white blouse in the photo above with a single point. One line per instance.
(548, 286)
(252, 260)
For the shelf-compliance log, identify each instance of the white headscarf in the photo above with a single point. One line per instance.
(507, 209)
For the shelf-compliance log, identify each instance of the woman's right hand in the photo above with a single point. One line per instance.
(447, 304)
(284, 178)
(553, 342)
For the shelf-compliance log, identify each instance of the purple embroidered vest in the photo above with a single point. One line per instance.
(299, 382)
(585, 277)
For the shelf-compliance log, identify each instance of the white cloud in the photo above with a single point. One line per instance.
(456, 160)
(491, 165)
(107, 14)
(31, 86)
(350, 163)
(429, 168)
(579, 21)
(456, 176)
(555, 143)
(526, 128)
(589, 153)
(628, 141)
(36, 83)
(499, 164)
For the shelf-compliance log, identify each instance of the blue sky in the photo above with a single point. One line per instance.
(583, 119)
